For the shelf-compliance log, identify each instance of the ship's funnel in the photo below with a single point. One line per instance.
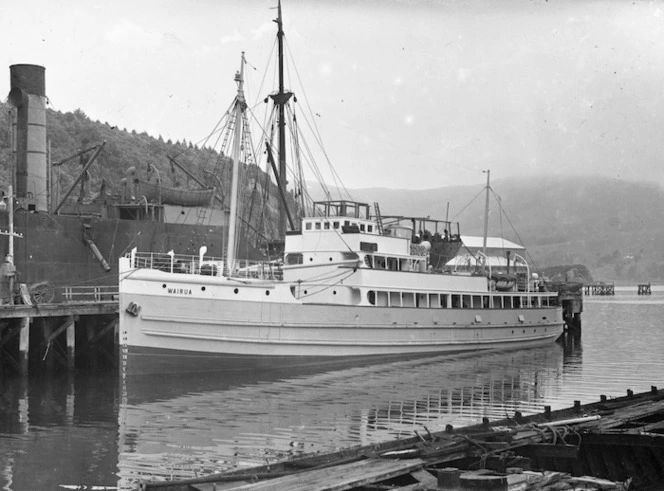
(28, 95)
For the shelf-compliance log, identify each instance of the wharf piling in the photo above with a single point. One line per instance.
(50, 333)
(600, 288)
(572, 303)
(644, 289)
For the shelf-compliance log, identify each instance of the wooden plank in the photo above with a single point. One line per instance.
(546, 450)
(112, 325)
(638, 411)
(629, 439)
(58, 310)
(338, 478)
(425, 478)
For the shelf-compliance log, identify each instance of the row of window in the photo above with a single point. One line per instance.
(395, 263)
(335, 224)
(456, 301)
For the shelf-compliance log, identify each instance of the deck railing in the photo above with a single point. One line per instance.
(81, 294)
(206, 266)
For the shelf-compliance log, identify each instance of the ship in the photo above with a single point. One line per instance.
(61, 243)
(349, 284)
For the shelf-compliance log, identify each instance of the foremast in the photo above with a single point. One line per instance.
(239, 109)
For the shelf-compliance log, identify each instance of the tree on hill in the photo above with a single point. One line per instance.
(70, 132)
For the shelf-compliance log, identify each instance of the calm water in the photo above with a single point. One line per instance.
(90, 429)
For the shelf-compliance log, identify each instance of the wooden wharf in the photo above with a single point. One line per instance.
(599, 288)
(51, 331)
(610, 444)
(644, 289)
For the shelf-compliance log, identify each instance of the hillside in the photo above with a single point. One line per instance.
(615, 228)
(70, 132)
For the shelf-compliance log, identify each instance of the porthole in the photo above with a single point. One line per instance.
(202, 288)
(164, 285)
(267, 292)
(334, 292)
(330, 259)
(305, 292)
(236, 291)
(311, 259)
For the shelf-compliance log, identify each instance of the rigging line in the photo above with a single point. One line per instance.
(260, 98)
(312, 125)
(311, 162)
(220, 124)
(412, 152)
(338, 182)
(327, 275)
(468, 204)
(513, 227)
(296, 136)
(327, 287)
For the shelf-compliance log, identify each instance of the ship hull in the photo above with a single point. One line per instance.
(195, 317)
(54, 249)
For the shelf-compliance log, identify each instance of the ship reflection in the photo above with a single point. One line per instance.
(185, 426)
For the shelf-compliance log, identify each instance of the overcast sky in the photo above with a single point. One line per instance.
(407, 94)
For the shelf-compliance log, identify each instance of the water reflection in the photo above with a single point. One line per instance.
(89, 429)
(257, 421)
(57, 429)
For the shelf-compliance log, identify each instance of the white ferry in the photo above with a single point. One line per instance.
(349, 284)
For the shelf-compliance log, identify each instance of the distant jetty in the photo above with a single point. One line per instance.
(599, 288)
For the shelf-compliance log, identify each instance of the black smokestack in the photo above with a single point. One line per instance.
(28, 95)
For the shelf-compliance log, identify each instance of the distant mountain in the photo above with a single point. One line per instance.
(615, 228)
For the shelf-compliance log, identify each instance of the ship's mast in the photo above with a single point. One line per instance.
(240, 106)
(486, 211)
(280, 99)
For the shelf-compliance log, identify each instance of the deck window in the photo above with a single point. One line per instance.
(434, 300)
(395, 299)
(326, 225)
(335, 225)
(369, 228)
(381, 299)
(307, 226)
(317, 225)
(292, 259)
(456, 301)
(408, 299)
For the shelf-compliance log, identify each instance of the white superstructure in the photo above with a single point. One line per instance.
(343, 290)
(348, 284)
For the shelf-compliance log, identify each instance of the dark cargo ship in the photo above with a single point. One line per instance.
(62, 244)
